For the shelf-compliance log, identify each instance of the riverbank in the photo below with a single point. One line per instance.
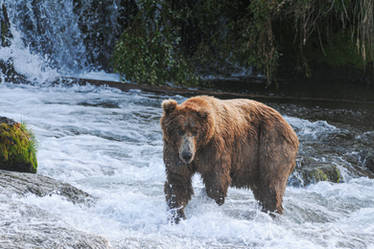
(235, 88)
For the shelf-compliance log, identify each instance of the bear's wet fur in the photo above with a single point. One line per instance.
(238, 142)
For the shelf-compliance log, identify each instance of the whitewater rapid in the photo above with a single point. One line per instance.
(109, 144)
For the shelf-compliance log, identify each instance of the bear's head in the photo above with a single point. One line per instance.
(187, 127)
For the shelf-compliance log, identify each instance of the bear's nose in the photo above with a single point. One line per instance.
(187, 156)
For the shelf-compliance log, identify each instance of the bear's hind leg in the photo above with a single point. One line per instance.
(269, 198)
(276, 162)
(270, 194)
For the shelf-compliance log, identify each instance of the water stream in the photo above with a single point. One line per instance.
(109, 144)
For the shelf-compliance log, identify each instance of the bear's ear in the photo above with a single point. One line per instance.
(202, 114)
(169, 105)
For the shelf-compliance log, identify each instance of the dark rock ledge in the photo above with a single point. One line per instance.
(26, 183)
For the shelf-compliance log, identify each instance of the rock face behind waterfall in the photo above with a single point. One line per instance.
(5, 33)
(7, 71)
(27, 226)
(101, 23)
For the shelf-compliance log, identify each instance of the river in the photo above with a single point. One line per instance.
(109, 144)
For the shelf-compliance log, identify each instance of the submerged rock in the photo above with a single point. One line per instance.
(321, 173)
(17, 147)
(25, 183)
(310, 171)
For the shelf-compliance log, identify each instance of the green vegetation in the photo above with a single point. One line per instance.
(174, 41)
(339, 52)
(146, 50)
(17, 147)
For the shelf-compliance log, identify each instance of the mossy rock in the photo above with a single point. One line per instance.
(17, 147)
(319, 173)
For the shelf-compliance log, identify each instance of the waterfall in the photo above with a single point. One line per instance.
(61, 37)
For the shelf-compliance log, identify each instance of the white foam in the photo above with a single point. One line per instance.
(311, 130)
(26, 63)
(99, 75)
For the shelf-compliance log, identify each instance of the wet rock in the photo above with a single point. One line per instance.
(369, 162)
(9, 74)
(5, 34)
(321, 173)
(25, 183)
(7, 70)
(101, 23)
(17, 147)
(309, 171)
(367, 138)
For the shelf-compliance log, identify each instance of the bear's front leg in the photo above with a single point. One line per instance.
(216, 185)
(178, 191)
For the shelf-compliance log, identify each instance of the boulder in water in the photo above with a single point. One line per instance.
(321, 173)
(24, 183)
(309, 171)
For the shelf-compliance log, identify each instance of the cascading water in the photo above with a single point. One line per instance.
(68, 37)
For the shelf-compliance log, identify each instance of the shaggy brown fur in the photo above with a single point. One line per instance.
(239, 142)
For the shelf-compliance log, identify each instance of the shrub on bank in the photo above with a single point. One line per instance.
(171, 40)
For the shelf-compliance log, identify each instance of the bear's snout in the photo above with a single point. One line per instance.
(187, 149)
(186, 155)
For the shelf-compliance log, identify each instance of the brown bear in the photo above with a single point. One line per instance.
(238, 142)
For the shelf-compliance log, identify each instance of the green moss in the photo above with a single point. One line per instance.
(318, 175)
(17, 148)
(323, 173)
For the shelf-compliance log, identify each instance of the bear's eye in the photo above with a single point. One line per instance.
(180, 132)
